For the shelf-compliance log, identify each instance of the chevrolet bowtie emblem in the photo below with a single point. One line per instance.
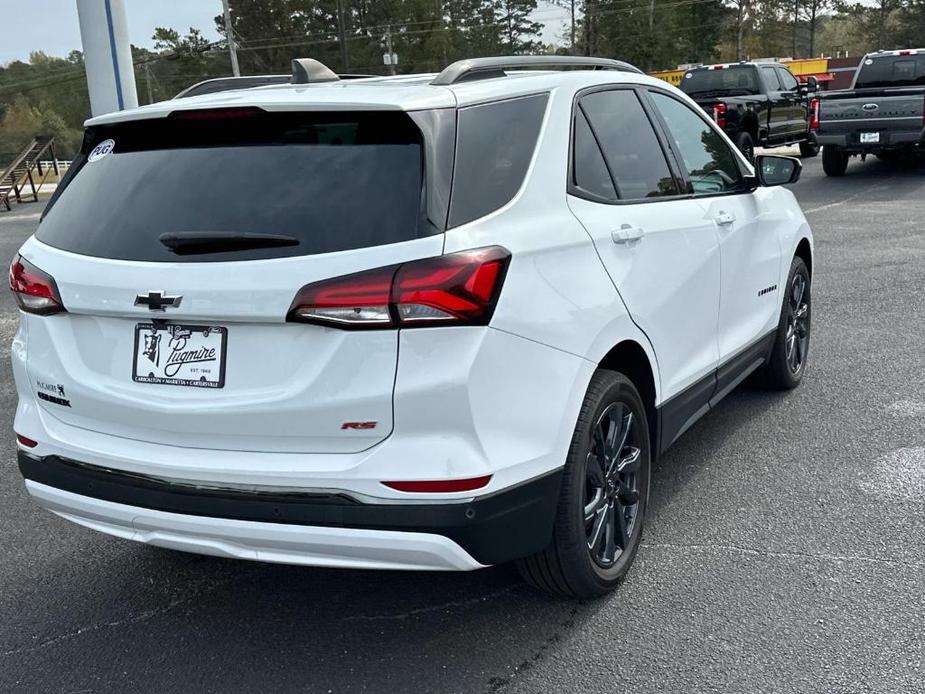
(157, 301)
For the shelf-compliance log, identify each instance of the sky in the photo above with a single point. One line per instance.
(51, 25)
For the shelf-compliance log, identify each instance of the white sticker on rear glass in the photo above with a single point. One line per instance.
(101, 150)
(868, 62)
(688, 75)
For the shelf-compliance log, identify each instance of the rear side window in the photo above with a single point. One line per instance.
(494, 147)
(324, 181)
(892, 71)
(631, 148)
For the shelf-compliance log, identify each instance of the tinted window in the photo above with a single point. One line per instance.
(738, 79)
(631, 148)
(892, 71)
(494, 147)
(710, 162)
(770, 78)
(331, 182)
(787, 80)
(589, 172)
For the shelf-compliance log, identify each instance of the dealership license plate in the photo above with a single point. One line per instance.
(180, 355)
(870, 138)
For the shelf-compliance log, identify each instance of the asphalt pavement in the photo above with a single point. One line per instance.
(784, 549)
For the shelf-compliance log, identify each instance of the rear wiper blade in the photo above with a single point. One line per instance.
(195, 242)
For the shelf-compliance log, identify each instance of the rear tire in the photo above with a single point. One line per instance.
(746, 146)
(834, 161)
(602, 502)
(787, 362)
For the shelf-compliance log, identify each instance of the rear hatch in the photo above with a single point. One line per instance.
(178, 247)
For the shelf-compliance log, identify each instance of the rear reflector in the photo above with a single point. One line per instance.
(35, 290)
(440, 486)
(455, 289)
(25, 441)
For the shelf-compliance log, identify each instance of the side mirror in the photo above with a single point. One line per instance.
(773, 170)
(811, 86)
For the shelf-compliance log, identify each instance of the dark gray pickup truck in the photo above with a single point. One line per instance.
(882, 114)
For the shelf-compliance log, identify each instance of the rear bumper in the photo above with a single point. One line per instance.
(311, 529)
(850, 140)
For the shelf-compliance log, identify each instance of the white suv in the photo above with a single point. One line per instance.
(418, 322)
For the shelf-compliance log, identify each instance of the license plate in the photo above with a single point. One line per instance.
(870, 138)
(180, 355)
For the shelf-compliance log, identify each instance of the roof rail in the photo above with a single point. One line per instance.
(309, 70)
(486, 68)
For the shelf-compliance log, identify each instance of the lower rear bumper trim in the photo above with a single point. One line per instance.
(493, 529)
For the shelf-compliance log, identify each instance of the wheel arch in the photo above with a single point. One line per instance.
(631, 359)
(805, 252)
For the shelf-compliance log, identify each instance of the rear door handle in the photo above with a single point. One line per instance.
(724, 219)
(627, 233)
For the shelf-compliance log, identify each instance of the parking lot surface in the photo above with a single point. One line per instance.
(784, 551)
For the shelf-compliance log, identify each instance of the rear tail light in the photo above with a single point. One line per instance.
(456, 289)
(440, 486)
(814, 115)
(719, 114)
(35, 290)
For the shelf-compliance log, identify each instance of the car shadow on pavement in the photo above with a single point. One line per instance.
(199, 623)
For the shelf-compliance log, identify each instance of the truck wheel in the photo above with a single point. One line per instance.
(809, 148)
(834, 161)
(746, 146)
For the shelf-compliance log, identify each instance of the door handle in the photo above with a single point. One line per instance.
(725, 218)
(627, 233)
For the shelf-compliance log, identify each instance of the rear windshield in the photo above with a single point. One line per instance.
(321, 182)
(738, 80)
(891, 71)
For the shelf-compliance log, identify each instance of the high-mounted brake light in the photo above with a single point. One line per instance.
(455, 289)
(35, 290)
(814, 114)
(719, 114)
(440, 486)
(218, 114)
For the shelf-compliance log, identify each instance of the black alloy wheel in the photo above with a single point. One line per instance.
(797, 341)
(611, 502)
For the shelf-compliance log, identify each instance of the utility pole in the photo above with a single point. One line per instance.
(443, 36)
(342, 31)
(572, 47)
(229, 33)
(388, 47)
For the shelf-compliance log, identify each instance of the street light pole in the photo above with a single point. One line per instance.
(229, 33)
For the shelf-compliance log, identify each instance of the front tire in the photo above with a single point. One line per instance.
(602, 502)
(834, 161)
(809, 148)
(787, 362)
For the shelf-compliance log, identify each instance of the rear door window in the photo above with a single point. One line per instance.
(325, 181)
(631, 148)
(494, 147)
(770, 79)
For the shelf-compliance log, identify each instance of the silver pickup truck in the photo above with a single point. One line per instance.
(882, 114)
